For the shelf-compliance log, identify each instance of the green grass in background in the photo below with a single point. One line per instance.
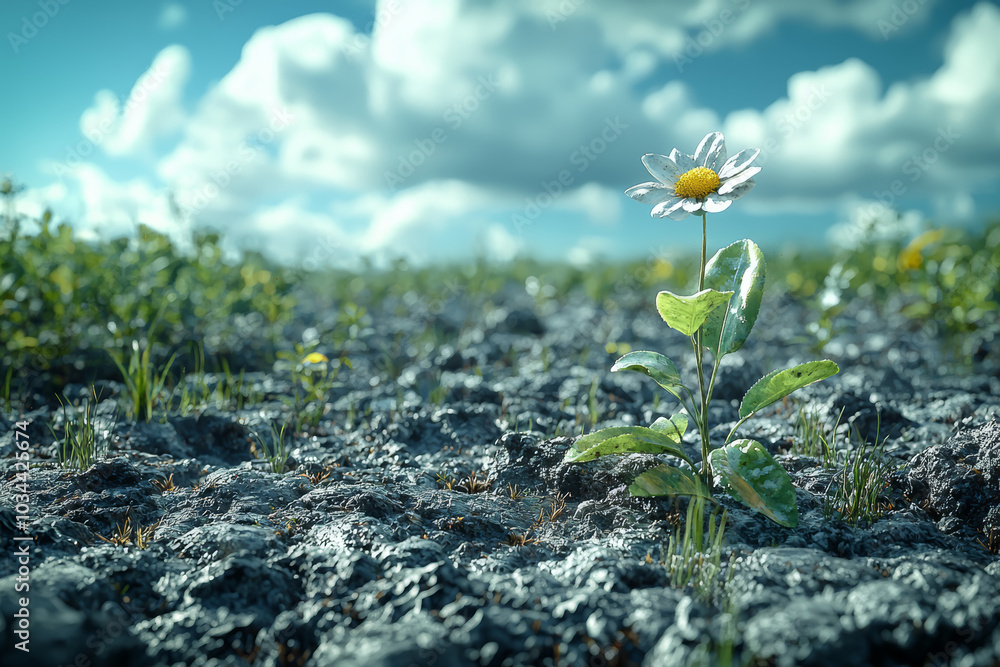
(64, 303)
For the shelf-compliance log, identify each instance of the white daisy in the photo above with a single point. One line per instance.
(705, 181)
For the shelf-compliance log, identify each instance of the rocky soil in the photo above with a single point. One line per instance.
(398, 538)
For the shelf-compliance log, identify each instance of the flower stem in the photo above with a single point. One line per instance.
(704, 242)
(699, 351)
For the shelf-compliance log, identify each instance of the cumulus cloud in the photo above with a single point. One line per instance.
(152, 110)
(677, 29)
(452, 114)
(105, 207)
(838, 133)
(172, 15)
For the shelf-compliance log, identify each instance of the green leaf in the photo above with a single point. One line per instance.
(656, 366)
(687, 313)
(673, 428)
(749, 474)
(622, 440)
(777, 384)
(738, 268)
(664, 480)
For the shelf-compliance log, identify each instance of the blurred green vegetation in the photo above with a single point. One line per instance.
(68, 307)
(944, 279)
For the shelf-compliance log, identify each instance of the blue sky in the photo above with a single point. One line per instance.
(440, 129)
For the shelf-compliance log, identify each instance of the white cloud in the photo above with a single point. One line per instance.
(861, 228)
(33, 202)
(501, 245)
(419, 221)
(172, 15)
(677, 29)
(588, 250)
(311, 240)
(443, 121)
(292, 110)
(101, 206)
(838, 134)
(153, 109)
(600, 204)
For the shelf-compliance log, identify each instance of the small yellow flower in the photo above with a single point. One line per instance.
(912, 256)
(315, 358)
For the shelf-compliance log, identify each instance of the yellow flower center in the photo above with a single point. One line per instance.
(697, 183)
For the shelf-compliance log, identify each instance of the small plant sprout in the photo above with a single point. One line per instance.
(144, 384)
(131, 533)
(693, 557)
(276, 454)
(81, 442)
(812, 439)
(313, 376)
(717, 318)
(859, 485)
(5, 403)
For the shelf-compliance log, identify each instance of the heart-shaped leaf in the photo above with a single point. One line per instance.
(687, 313)
(749, 474)
(673, 428)
(622, 440)
(777, 384)
(664, 480)
(656, 366)
(737, 268)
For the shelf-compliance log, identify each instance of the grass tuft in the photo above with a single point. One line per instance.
(858, 487)
(693, 557)
(813, 440)
(5, 403)
(276, 454)
(81, 447)
(145, 384)
(129, 533)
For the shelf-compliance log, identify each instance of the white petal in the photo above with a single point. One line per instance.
(739, 190)
(678, 213)
(666, 208)
(692, 205)
(650, 193)
(684, 161)
(730, 183)
(738, 162)
(716, 204)
(662, 168)
(711, 151)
